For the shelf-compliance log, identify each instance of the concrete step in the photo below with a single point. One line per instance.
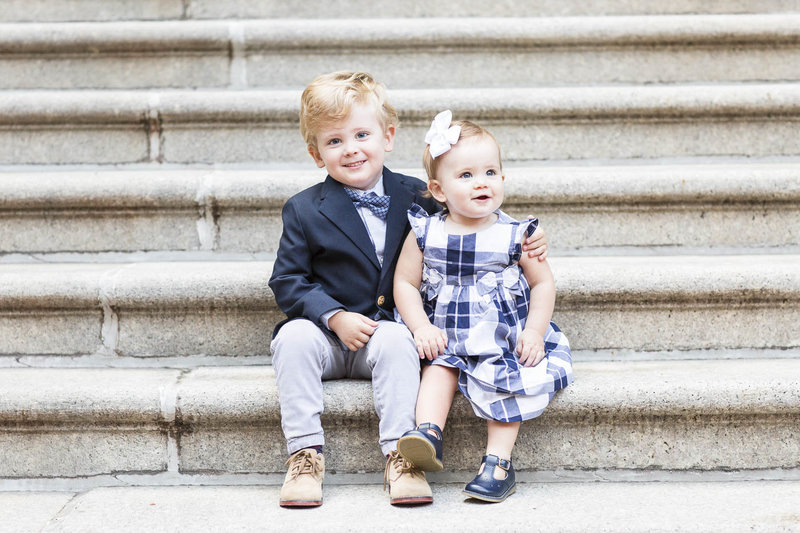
(575, 123)
(646, 506)
(743, 205)
(630, 417)
(403, 53)
(101, 10)
(224, 308)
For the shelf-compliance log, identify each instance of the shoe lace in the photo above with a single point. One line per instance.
(304, 463)
(399, 464)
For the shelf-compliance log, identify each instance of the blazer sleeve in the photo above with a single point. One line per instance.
(291, 281)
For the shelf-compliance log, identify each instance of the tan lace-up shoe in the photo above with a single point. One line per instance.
(302, 486)
(407, 485)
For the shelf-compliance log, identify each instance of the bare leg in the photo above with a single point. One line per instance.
(500, 442)
(436, 392)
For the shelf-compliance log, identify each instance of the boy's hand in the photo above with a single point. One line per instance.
(353, 329)
(431, 341)
(530, 347)
(536, 244)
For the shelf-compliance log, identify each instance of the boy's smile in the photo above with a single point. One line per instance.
(470, 181)
(353, 149)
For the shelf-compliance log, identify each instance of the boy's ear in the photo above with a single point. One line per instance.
(312, 150)
(390, 131)
(436, 191)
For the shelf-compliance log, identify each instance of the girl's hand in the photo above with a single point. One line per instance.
(536, 244)
(431, 341)
(353, 329)
(530, 348)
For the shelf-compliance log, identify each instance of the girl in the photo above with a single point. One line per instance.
(478, 309)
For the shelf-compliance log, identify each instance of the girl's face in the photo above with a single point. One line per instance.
(469, 180)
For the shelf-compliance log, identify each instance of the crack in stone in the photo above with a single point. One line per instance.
(208, 219)
(238, 56)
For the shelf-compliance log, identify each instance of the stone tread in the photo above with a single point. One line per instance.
(416, 105)
(710, 416)
(224, 308)
(403, 53)
(395, 34)
(220, 396)
(48, 10)
(733, 278)
(686, 182)
(631, 123)
(601, 506)
(678, 207)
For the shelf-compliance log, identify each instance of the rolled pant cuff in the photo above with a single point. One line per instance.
(308, 441)
(388, 447)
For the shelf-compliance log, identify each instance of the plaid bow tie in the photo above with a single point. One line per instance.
(379, 205)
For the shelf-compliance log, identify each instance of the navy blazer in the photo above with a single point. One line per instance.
(326, 259)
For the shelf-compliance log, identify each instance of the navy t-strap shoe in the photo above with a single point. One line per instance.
(422, 449)
(485, 487)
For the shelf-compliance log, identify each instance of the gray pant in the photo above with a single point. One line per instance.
(304, 355)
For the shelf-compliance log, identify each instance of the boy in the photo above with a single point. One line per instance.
(333, 278)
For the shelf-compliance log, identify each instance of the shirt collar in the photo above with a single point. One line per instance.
(377, 188)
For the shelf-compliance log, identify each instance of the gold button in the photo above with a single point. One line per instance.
(381, 299)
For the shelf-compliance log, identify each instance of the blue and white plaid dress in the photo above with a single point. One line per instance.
(474, 290)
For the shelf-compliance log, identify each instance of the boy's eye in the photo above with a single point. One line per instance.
(334, 141)
(362, 134)
(466, 175)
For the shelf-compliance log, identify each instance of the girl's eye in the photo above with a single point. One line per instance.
(491, 173)
(466, 175)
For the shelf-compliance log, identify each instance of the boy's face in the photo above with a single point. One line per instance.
(353, 149)
(469, 180)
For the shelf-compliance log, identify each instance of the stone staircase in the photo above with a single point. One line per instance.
(147, 146)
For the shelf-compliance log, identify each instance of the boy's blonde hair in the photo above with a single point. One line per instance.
(468, 129)
(330, 97)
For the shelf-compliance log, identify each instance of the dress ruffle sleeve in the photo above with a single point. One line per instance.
(420, 222)
(523, 231)
(526, 229)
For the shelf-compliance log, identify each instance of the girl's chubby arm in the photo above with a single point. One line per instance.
(430, 340)
(530, 345)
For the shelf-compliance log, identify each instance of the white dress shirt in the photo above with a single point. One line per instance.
(376, 227)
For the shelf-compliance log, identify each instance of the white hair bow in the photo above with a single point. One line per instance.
(442, 136)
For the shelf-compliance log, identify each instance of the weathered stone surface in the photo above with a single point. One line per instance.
(752, 205)
(696, 415)
(101, 10)
(710, 506)
(225, 307)
(30, 511)
(43, 331)
(78, 10)
(632, 506)
(83, 422)
(530, 124)
(171, 70)
(475, 8)
(59, 452)
(647, 415)
(97, 397)
(403, 53)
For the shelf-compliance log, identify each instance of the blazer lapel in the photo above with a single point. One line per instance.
(397, 218)
(337, 207)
